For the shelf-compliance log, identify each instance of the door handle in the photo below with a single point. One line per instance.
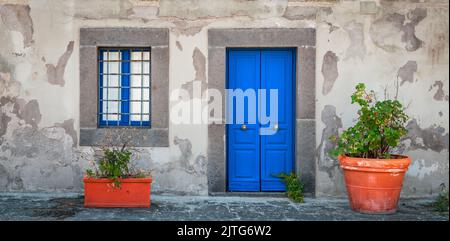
(244, 127)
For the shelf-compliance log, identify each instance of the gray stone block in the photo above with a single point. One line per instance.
(160, 87)
(306, 83)
(269, 37)
(368, 7)
(216, 168)
(136, 137)
(305, 153)
(119, 37)
(88, 86)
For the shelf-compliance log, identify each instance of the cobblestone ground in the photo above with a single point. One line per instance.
(42, 206)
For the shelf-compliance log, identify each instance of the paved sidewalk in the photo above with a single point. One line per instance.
(44, 206)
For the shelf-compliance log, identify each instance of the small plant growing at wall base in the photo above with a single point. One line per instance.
(373, 174)
(294, 187)
(441, 202)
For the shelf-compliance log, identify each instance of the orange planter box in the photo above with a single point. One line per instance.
(132, 192)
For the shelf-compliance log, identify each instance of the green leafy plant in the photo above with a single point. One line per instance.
(294, 187)
(441, 202)
(380, 126)
(114, 163)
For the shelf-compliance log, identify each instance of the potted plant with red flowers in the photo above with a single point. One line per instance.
(373, 174)
(114, 182)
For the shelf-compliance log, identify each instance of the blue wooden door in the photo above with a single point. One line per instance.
(254, 160)
(243, 145)
(277, 153)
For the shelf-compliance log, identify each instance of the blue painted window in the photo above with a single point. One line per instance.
(124, 87)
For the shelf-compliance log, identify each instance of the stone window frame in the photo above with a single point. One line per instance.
(158, 40)
(304, 41)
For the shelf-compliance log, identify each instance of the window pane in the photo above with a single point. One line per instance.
(114, 55)
(136, 55)
(145, 118)
(146, 93)
(135, 107)
(136, 80)
(135, 94)
(111, 67)
(145, 107)
(110, 110)
(113, 94)
(135, 117)
(146, 55)
(105, 96)
(146, 66)
(146, 80)
(113, 107)
(111, 80)
(136, 67)
(113, 117)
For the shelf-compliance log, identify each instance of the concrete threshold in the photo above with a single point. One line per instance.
(248, 194)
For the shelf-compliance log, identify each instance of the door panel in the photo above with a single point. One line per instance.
(277, 149)
(254, 159)
(243, 145)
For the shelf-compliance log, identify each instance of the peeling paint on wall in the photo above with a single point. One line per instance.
(332, 125)
(8, 86)
(431, 138)
(420, 170)
(185, 147)
(305, 12)
(331, 27)
(55, 74)
(439, 95)
(4, 120)
(190, 172)
(188, 28)
(204, 9)
(30, 113)
(69, 128)
(199, 65)
(357, 48)
(384, 29)
(88, 9)
(50, 156)
(199, 62)
(409, 35)
(17, 18)
(329, 71)
(406, 72)
(4, 177)
(179, 46)
(145, 13)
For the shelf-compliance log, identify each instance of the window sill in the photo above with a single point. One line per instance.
(136, 137)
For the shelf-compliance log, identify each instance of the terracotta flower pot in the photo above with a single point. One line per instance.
(132, 192)
(374, 185)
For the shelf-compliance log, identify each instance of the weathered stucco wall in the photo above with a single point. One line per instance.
(381, 43)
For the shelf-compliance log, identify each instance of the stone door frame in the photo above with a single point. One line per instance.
(304, 41)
